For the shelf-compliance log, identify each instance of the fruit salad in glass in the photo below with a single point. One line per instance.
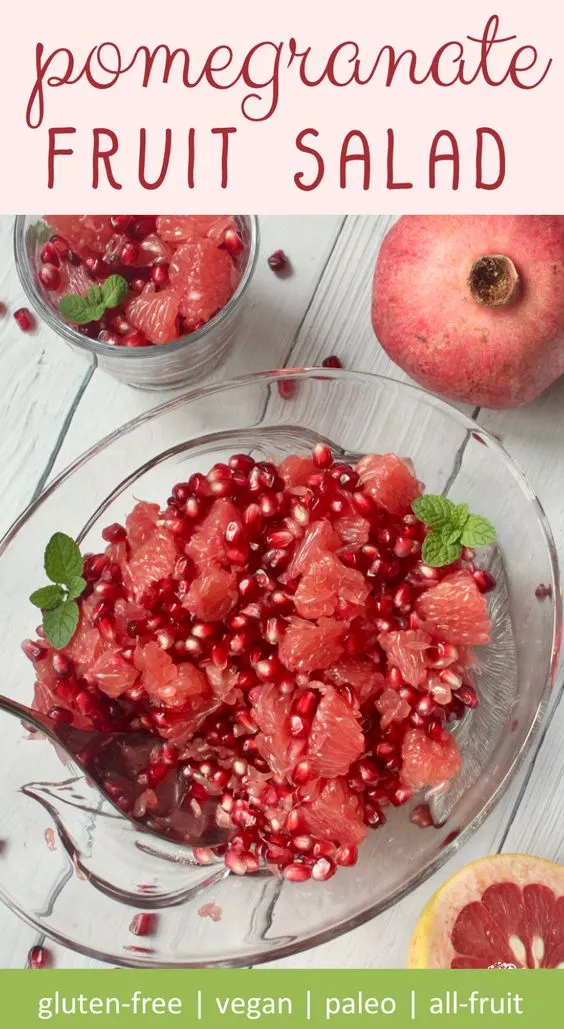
(298, 638)
(116, 285)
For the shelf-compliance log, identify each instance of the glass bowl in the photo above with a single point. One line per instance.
(85, 891)
(180, 363)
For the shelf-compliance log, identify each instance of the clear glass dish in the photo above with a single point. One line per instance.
(85, 892)
(180, 363)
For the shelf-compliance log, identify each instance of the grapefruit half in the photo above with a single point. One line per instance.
(503, 910)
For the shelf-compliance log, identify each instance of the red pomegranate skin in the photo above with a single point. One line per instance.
(429, 323)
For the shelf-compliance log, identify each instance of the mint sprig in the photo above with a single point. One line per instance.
(452, 528)
(83, 308)
(63, 566)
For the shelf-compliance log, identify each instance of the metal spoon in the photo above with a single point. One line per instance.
(113, 760)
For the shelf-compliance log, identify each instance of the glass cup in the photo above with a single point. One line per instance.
(169, 365)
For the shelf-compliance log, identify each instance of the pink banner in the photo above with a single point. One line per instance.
(290, 107)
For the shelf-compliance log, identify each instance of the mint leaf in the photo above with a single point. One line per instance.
(47, 597)
(439, 550)
(96, 311)
(60, 624)
(76, 309)
(114, 289)
(460, 515)
(433, 510)
(94, 294)
(477, 532)
(76, 586)
(63, 560)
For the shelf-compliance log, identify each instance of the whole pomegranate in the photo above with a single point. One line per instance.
(473, 306)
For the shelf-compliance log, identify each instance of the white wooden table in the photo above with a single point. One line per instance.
(53, 406)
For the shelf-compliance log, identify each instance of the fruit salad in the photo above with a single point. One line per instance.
(139, 280)
(281, 634)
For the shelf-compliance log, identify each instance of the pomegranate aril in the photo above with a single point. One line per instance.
(128, 253)
(346, 856)
(278, 261)
(236, 863)
(421, 816)
(144, 924)
(286, 388)
(135, 338)
(24, 319)
(49, 276)
(484, 580)
(542, 591)
(34, 650)
(38, 957)
(50, 255)
(322, 456)
(297, 873)
(331, 362)
(468, 696)
(159, 275)
(233, 243)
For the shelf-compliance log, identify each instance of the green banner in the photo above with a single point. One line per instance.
(282, 999)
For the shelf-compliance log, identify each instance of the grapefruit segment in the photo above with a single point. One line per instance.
(295, 470)
(390, 480)
(335, 739)
(318, 540)
(152, 560)
(208, 544)
(178, 227)
(333, 813)
(456, 610)
(406, 649)
(204, 277)
(86, 233)
(505, 909)
(427, 762)
(155, 314)
(306, 646)
(328, 587)
(213, 594)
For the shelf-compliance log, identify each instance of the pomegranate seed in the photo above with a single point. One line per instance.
(114, 533)
(322, 456)
(49, 276)
(286, 388)
(135, 338)
(159, 275)
(304, 771)
(62, 666)
(468, 696)
(120, 222)
(50, 255)
(436, 731)
(236, 863)
(34, 650)
(24, 319)
(278, 261)
(346, 856)
(542, 591)
(297, 873)
(143, 924)
(293, 822)
(233, 243)
(306, 704)
(331, 362)
(484, 580)
(38, 957)
(421, 816)
(128, 253)
(322, 870)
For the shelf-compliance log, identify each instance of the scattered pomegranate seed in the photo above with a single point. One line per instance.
(24, 319)
(421, 816)
(50, 838)
(331, 362)
(38, 957)
(278, 261)
(286, 388)
(542, 591)
(159, 275)
(144, 924)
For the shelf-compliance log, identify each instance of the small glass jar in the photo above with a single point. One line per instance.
(184, 361)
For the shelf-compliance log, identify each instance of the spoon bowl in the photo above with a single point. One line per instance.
(119, 765)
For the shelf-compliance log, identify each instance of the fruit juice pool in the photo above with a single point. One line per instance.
(278, 631)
